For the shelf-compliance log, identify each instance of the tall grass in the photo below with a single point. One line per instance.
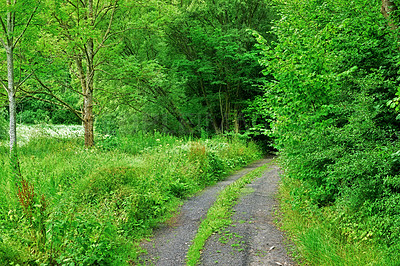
(89, 206)
(316, 234)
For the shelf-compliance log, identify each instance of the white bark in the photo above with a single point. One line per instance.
(9, 47)
(11, 97)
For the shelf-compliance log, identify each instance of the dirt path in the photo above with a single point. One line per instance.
(253, 220)
(252, 239)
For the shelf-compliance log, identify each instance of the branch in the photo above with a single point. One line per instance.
(107, 33)
(4, 85)
(62, 103)
(72, 4)
(106, 9)
(27, 25)
(23, 81)
(75, 112)
(99, 64)
(72, 89)
(3, 43)
(3, 26)
(5, 33)
(96, 8)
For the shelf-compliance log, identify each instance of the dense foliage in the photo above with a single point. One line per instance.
(335, 68)
(193, 70)
(181, 67)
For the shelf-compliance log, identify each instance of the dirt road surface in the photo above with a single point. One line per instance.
(252, 239)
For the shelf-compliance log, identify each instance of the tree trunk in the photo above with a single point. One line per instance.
(86, 78)
(11, 91)
(9, 47)
(88, 118)
(88, 100)
(173, 110)
(388, 10)
(213, 118)
(11, 98)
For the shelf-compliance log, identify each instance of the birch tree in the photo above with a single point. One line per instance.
(13, 28)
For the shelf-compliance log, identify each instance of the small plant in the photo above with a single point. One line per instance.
(35, 212)
(26, 198)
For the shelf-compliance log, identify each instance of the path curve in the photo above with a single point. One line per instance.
(171, 241)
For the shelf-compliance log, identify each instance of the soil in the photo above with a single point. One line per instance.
(252, 238)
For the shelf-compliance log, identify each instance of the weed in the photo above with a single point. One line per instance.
(26, 196)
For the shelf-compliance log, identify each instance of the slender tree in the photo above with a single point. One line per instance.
(9, 41)
(81, 30)
(11, 35)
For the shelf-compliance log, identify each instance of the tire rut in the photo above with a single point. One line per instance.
(171, 241)
(252, 239)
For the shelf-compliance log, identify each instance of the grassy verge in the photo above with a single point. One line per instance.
(77, 206)
(315, 233)
(218, 216)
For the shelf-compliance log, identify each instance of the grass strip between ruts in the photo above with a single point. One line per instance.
(218, 216)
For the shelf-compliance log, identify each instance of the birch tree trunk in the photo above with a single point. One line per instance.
(9, 47)
(11, 97)
(9, 43)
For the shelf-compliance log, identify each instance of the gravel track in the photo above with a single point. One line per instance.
(252, 239)
(170, 243)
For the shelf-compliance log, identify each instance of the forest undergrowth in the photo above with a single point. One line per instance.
(79, 206)
(333, 100)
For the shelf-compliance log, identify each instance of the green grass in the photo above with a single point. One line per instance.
(218, 216)
(316, 235)
(92, 206)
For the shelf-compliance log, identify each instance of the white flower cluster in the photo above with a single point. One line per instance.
(25, 133)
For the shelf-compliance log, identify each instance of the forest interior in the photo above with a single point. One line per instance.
(113, 112)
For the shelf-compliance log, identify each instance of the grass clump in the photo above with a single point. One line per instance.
(218, 216)
(92, 206)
